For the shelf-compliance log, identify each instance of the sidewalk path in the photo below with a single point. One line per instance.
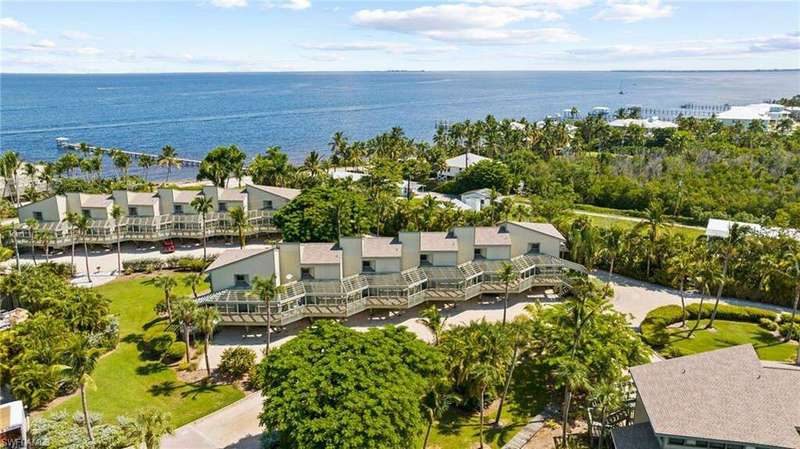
(234, 426)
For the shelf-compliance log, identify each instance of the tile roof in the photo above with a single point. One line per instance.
(320, 253)
(380, 247)
(491, 236)
(184, 196)
(283, 192)
(461, 160)
(141, 198)
(236, 255)
(637, 436)
(725, 395)
(229, 195)
(542, 228)
(94, 200)
(437, 241)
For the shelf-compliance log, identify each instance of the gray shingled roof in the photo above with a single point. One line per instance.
(320, 253)
(637, 436)
(374, 247)
(437, 241)
(184, 196)
(542, 228)
(491, 236)
(724, 395)
(141, 198)
(229, 194)
(94, 200)
(283, 192)
(235, 255)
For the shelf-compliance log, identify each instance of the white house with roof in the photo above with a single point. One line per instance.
(723, 399)
(268, 197)
(478, 199)
(649, 123)
(13, 425)
(457, 164)
(325, 279)
(767, 113)
(718, 228)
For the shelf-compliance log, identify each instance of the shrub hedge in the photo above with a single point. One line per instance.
(187, 263)
(157, 341)
(236, 363)
(768, 324)
(175, 352)
(654, 326)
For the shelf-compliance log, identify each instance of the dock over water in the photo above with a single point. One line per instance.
(64, 144)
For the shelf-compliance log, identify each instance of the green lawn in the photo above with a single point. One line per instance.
(460, 430)
(731, 333)
(126, 381)
(608, 222)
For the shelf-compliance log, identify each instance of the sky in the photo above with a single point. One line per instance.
(325, 35)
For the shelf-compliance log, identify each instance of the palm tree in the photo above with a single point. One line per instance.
(240, 222)
(516, 333)
(116, 214)
(72, 219)
(313, 165)
(507, 274)
(82, 358)
(203, 204)
(267, 290)
(186, 315)
(786, 266)
(338, 146)
(606, 396)
(166, 283)
(730, 247)
(431, 318)
(11, 163)
(44, 238)
(680, 269)
(145, 162)
(485, 375)
(193, 281)
(655, 220)
(149, 426)
(32, 225)
(82, 224)
(572, 376)
(169, 159)
(707, 275)
(207, 319)
(613, 246)
(435, 404)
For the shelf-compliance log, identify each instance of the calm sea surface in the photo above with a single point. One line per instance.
(300, 111)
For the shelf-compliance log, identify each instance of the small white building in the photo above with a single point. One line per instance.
(456, 165)
(650, 123)
(478, 199)
(721, 229)
(767, 113)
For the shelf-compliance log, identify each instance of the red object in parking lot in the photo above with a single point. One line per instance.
(169, 247)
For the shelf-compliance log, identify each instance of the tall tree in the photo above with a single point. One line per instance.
(149, 426)
(267, 290)
(207, 319)
(145, 162)
(240, 222)
(33, 227)
(185, 311)
(193, 281)
(507, 274)
(116, 214)
(82, 224)
(729, 249)
(202, 205)
(432, 318)
(82, 358)
(707, 275)
(167, 284)
(680, 268)
(169, 158)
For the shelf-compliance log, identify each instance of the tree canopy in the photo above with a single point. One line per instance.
(334, 387)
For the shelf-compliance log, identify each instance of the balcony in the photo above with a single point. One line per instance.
(396, 290)
(453, 283)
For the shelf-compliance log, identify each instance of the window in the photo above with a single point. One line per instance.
(38, 216)
(716, 445)
(734, 446)
(178, 209)
(86, 213)
(306, 273)
(133, 212)
(366, 265)
(477, 253)
(266, 204)
(534, 247)
(677, 441)
(241, 280)
(223, 207)
(423, 259)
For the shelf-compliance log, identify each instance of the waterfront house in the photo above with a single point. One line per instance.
(338, 280)
(723, 399)
(457, 164)
(721, 229)
(766, 113)
(649, 123)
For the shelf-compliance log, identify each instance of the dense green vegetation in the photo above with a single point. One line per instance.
(442, 395)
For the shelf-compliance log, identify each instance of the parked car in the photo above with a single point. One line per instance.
(168, 247)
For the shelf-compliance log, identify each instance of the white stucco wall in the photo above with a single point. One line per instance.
(387, 265)
(264, 265)
(521, 237)
(497, 252)
(256, 198)
(53, 209)
(324, 271)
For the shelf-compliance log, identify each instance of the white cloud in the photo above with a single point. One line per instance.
(229, 3)
(88, 51)
(74, 35)
(630, 11)
(506, 37)
(289, 4)
(389, 47)
(548, 4)
(447, 17)
(44, 43)
(13, 25)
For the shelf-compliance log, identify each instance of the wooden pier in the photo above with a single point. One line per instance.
(64, 144)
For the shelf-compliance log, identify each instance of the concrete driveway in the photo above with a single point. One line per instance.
(234, 426)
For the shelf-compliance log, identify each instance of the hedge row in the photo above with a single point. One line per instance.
(654, 326)
(187, 263)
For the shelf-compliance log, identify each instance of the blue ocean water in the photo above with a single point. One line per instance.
(300, 111)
